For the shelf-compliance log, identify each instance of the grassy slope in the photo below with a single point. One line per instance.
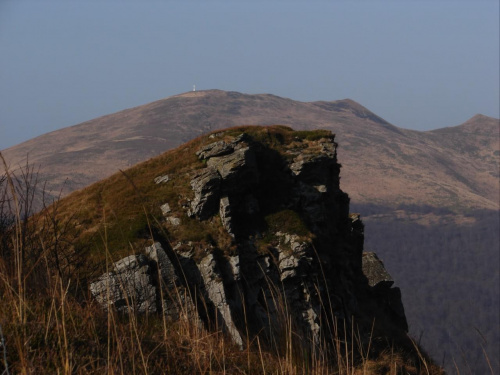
(51, 325)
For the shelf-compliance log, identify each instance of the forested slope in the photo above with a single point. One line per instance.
(448, 273)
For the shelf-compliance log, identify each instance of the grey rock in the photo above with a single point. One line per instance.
(175, 221)
(240, 141)
(289, 261)
(328, 147)
(225, 215)
(321, 188)
(255, 270)
(315, 169)
(298, 165)
(312, 202)
(233, 172)
(184, 249)
(130, 263)
(162, 179)
(299, 288)
(240, 163)
(166, 269)
(176, 302)
(129, 288)
(205, 185)
(215, 135)
(245, 287)
(165, 209)
(234, 264)
(214, 149)
(375, 272)
(142, 284)
(216, 294)
(288, 265)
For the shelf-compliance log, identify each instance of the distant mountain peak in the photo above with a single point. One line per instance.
(403, 165)
(349, 105)
(191, 94)
(477, 124)
(480, 116)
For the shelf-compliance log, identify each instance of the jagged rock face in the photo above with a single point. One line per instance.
(231, 170)
(294, 247)
(375, 272)
(205, 185)
(381, 283)
(128, 287)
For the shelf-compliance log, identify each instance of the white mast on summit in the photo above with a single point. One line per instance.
(194, 87)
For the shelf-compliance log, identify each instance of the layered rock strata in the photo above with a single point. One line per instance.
(296, 253)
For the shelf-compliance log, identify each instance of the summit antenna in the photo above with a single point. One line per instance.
(194, 87)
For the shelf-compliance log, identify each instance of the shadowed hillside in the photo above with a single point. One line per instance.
(447, 269)
(424, 194)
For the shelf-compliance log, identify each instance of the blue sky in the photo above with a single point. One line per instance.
(418, 64)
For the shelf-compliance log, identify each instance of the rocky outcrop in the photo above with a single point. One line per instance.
(294, 256)
(231, 169)
(128, 287)
(381, 283)
(205, 185)
(216, 294)
(374, 270)
(162, 179)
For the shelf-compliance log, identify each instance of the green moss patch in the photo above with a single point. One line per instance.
(287, 221)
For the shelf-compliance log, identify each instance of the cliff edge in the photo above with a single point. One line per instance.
(254, 236)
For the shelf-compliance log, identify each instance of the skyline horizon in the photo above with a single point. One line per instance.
(420, 65)
(212, 89)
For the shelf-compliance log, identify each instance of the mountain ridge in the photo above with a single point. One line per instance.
(76, 156)
(418, 192)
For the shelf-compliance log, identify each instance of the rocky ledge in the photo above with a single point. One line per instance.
(293, 255)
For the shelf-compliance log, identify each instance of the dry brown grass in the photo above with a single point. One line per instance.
(50, 324)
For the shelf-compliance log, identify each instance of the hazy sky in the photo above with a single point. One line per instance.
(418, 64)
